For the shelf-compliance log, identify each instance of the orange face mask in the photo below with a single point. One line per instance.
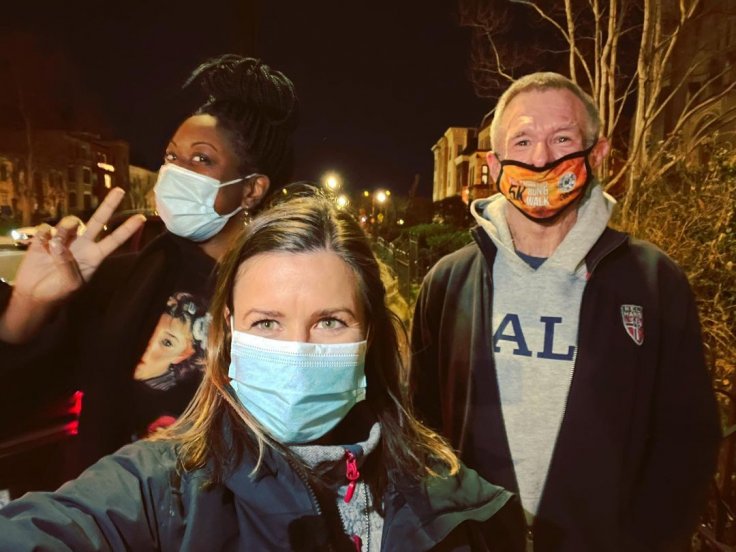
(541, 193)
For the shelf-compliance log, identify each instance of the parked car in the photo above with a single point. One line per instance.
(22, 236)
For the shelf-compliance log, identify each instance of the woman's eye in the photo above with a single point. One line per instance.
(169, 157)
(522, 143)
(201, 158)
(265, 324)
(330, 324)
(166, 342)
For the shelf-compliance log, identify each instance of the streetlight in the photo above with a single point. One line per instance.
(332, 182)
(380, 197)
(342, 201)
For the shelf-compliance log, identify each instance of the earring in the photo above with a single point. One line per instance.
(246, 216)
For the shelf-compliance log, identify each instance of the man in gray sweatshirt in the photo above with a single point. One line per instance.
(563, 358)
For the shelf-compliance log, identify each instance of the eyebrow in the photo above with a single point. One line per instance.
(270, 314)
(563, 128)
(321, 313)
(332, 312)
(171, 335)
(200, 143)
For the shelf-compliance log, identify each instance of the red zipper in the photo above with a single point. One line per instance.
(352, 473)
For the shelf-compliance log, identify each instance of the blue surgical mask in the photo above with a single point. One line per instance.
(186, 202)
(297, 391)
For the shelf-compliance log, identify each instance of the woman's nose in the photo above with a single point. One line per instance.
(297, 334)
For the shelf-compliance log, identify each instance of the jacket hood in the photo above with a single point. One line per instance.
(594, 213)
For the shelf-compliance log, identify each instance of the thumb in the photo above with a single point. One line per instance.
(65, 262)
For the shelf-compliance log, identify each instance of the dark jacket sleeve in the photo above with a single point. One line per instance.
(117, 504)
(424, 366)
(685, 429)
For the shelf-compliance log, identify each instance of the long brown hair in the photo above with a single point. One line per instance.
(216, 430)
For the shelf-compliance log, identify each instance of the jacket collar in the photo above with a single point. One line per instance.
(609, 240)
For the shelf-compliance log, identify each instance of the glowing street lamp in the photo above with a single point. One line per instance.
(332, 182)
(381, 197)
(342, 201)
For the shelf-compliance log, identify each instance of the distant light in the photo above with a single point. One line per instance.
(106, 166)
(388, 193)
(108, 181)
(332, 181)
(342, 201)
(381, 196)
(400, 222)
(363, 219)
(366, 193)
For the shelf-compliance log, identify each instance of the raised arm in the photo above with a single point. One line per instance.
(58, 262)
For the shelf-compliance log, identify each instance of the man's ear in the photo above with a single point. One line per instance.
(599, 152)
(255, 190)
(494, 165)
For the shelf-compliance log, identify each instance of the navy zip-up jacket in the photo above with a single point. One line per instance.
(138, 499)
(640, 433)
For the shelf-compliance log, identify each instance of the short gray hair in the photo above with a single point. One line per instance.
(547, 81)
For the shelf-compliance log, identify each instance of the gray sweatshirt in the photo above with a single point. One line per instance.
(535, 329)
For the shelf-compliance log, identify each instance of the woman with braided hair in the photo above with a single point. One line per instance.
(219, 165)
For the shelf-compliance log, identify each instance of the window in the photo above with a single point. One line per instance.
(87, 202)
(73, 200)
(3, 172)
(86, 175)
(71, 174)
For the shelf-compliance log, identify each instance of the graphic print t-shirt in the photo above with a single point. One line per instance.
(171, 367)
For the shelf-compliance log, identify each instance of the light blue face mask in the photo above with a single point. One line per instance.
(297, 391)
(185, 200)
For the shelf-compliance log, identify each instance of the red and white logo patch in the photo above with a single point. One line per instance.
(633, 318)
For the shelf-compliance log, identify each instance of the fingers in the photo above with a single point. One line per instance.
(121, 234)
(104, 212)
(67, 230)
(44, 233)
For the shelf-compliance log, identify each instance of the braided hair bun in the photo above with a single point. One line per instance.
(256, 106)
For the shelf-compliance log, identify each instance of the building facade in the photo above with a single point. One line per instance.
(59, 173)
(142, 182)
(460, 167)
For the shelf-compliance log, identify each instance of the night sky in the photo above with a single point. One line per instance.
(378, 82)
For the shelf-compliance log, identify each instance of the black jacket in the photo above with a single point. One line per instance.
(137, 500)
(640, 432)
(95, 343)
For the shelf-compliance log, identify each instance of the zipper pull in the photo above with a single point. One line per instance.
(357, 542)
(352, 473)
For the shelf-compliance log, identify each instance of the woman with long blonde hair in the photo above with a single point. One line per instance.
(298, 437)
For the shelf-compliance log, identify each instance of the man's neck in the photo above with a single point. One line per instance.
(539, 239)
